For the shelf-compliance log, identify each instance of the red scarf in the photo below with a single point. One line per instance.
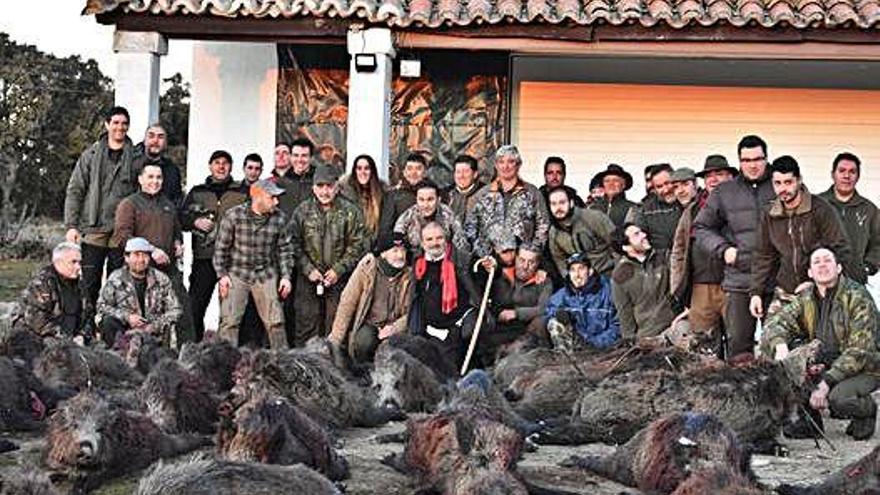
(449, 294)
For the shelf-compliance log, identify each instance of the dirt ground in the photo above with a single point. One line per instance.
(805, 463)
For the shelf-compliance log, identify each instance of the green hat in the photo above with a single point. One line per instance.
(324, 174)
(683, 174)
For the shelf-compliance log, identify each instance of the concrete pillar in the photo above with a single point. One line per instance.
(137, 78)
(369, 96)
(233, 108)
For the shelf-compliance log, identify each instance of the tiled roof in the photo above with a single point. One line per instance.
(800, 14)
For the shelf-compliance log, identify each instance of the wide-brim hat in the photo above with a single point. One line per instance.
(716, 162)
(614, 169)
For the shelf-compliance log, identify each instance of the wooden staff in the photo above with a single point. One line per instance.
(476, 335)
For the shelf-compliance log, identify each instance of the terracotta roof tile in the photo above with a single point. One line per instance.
(862, 14)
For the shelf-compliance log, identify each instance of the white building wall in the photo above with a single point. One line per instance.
(233, 107)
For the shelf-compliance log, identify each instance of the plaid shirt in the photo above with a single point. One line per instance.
(253, 248)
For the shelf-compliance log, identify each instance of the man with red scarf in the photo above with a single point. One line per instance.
(444, 305)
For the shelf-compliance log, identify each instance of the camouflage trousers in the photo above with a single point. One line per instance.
(564, 338)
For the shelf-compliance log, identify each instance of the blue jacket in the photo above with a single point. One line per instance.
(591, 309)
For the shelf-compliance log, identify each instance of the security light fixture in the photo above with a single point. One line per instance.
(365, 62)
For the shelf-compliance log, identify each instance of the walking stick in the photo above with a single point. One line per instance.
(476, 335)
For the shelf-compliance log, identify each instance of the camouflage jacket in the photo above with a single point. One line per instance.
(853, 323)
(411, 223)
(520, 212)
(335, 238)
(40, 308)
(119, 299)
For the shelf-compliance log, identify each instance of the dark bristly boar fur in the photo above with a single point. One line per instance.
(177, 400)
(859, 478)
(754, 399)
(66, 364)
(544, 384)
(719, 480)
(268, 428)
(142, 350)
(96, 441)
(213, 361)
(25, 481)
(215, 477)
(20, 343)
(313, 383)
(7, 446)
(663, 455)
(24, 400)
(426, 351)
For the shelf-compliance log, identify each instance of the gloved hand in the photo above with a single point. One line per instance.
(563, 316)
(340, 357)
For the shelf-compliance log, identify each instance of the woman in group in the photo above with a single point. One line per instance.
(363, 187)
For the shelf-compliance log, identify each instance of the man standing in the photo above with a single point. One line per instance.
(860, 217)
(727, 227)
(443, 306)
(506, 207)
(554, 177)
(296, 179)
(517, 303)
(615, 182)
(253, 256)
(428, 208)
(253, 169)
(52, 305)
(375, 302)
(466, 177)
(582, 314)
(841, 314)
(796, 224)
(640, 285)
(329, 238)
(153, 153)
(203, 209)
(696, 275)
(402, 197)
(577, 230)
(149, 214)
(138, 297)
(102, 177)
(658, 215)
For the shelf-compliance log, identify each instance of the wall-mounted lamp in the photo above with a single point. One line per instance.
(365, 62)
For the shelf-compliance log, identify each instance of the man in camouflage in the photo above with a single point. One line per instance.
(428, 208)
(52, 305)
(507, 206)
(138, 297)
(841, 314)
(329, 238)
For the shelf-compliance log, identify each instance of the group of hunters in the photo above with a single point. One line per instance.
(309, 252)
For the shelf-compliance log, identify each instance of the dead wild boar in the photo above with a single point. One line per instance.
(544, 384)
(216, 477)
(754, 399)
(65, 364)
(214, 361)
(663, 455)
(268, 428)
(142, 350)
(718, 480)
(426, 351)
(25, 481)
(313, 383)
(403, 382)
(95, 441)
(20, 343)
(859, 478)
(24, 399)
(178, 400)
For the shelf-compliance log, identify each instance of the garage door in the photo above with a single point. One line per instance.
(591, 125)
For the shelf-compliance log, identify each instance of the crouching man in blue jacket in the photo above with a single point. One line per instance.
(581, 315)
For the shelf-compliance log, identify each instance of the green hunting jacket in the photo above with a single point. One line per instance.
(335, 238)
(853, 319)
(211, 199)
(585, 231)
(861, 221)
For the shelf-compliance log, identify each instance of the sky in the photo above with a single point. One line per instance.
(57, 27)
